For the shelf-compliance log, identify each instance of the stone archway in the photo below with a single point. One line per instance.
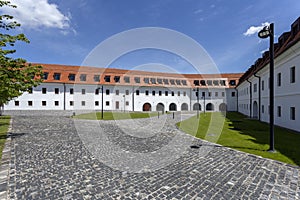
(184, 106)
(172, 107)
(223, 107)
(209, 107)
(197, 106)
(147, 107)
(160, 107)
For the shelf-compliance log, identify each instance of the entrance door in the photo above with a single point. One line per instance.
(117, 105)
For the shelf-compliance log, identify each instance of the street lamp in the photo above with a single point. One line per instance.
(101, 88)
(203, 97)
(197, 94)
(268, 31)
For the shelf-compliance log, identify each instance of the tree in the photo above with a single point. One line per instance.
(16, 76)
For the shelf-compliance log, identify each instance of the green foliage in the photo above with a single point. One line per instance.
(16, 76)
(247, 135)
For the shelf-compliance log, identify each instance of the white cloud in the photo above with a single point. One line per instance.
(198, 11)
(255, 29)
(38, 13)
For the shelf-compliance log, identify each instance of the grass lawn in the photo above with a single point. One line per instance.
(4, 124)
(116, 115)
(248, 135)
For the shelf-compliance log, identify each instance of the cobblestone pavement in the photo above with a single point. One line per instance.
(55, 157)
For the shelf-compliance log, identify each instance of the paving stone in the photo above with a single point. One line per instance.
(56, 157)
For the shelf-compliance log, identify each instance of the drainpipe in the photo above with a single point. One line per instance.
(132, 98)
(237, 99)
(190, 99)
(64, 96)
(250, 97)
(259, 94)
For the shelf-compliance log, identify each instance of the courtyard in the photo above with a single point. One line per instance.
(57, 157)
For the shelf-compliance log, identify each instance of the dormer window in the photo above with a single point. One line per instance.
(107, 79)
(153, 80)
(183, 82)
(146, 80)
(159, 80)
(56, 76)
(202, 82)
(209, 82)
(137, 79)
(127, 79)
(71, 77)
(222, 82)
(117, 79)
(232, 82)
(82, 77)
(172, 81)
(96, 78)
(178, 82)
(215, 82)
(166, 81)
(196, 82)
(45, 75)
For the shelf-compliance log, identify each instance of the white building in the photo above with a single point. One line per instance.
(80, 88)
(253, 87)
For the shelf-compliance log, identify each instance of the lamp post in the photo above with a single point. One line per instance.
(197, 94)
(268, 31)
(204, 107)
(101, 88)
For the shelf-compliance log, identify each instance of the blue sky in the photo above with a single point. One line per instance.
(65, 32)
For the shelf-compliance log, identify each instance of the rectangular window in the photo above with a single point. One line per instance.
(209, 82)
(153, 93)
(56, 76)
(196, 93)
(178, 93)
(279, 79)
(159, 93)
(209, 94)
(216, 94)
(44, 103)
(293, 113)
(293, 74)
(278, 111)
(137, 92)
(71, 103)
(233, 94)
(44, 90)
(159, 80)
(56, 90)
(71, 77)
(172, 93)
(146, 92)
(263, 109)
(223, 94)
(178, 82)
(56, 103)
(107, 103)
(82, 103)
(127, 79)
(215, 82)
(222, 82)
(127, 92)
(96, 78)
(137, 79)
(196, 82)
(30, 91)
(117, 79)
(82, 91)
(183, 82)
(96, 103)
(255, 87)
(71, 91)
(107, 92)
(97, 91)
(17, 103)
(82, 77)
(203, 94)
(117, 92)
(45, 75)
(127, 103)
(166, 93)
(184, 93)
(262, 85)
(172, 81)
(29, 103)
(107, 79)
